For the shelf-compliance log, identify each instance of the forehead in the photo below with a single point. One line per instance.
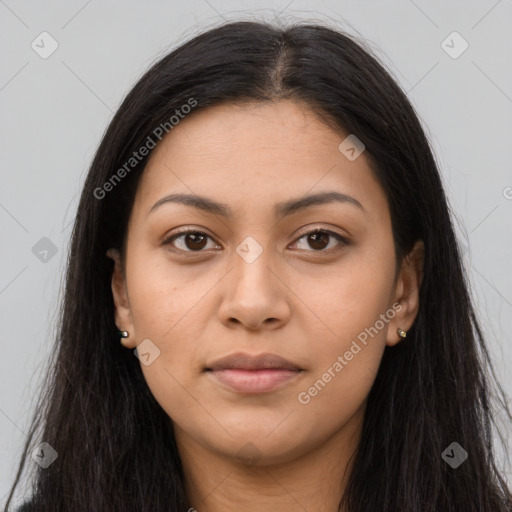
(256, 153)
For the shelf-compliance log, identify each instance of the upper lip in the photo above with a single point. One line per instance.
(243, 361)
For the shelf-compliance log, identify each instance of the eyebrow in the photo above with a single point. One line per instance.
(281, 210)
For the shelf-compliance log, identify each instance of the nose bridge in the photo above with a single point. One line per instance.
(252, 262)
(254, 294)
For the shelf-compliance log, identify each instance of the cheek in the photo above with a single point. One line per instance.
(343, 301)
(342, 377)
(163, 295)
(334, 396)
(170, 387)
(353, 306)
(168, 307)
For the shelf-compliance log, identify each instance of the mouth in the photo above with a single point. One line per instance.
(253, 374)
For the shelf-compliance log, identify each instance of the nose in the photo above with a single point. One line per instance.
(255, 294)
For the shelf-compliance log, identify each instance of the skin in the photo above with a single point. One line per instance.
(300, 300)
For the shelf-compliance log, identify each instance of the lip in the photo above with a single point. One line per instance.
(254, 381)
(253, 374)
(242, 361)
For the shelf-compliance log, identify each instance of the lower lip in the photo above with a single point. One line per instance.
(254, 381)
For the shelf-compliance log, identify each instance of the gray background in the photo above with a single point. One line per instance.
(54, 111)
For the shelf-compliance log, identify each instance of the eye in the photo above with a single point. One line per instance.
(318, 239)
(191, 240)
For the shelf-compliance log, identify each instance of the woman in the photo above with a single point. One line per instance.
(265, 306)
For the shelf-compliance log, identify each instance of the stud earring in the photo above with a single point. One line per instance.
(402, 333)
(123, 334)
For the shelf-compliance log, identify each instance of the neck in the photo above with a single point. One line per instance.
(313, 480)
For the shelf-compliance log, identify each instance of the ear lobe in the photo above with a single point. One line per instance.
(122, 312)
(407, 293)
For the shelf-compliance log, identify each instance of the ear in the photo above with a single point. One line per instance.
(122, 311)
(407, 290)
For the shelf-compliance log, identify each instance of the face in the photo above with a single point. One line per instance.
(314, 283)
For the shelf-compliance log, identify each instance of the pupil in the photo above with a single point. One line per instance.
(314, 239)
(195, 240)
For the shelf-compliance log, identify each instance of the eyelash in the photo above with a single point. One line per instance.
(343, 241)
